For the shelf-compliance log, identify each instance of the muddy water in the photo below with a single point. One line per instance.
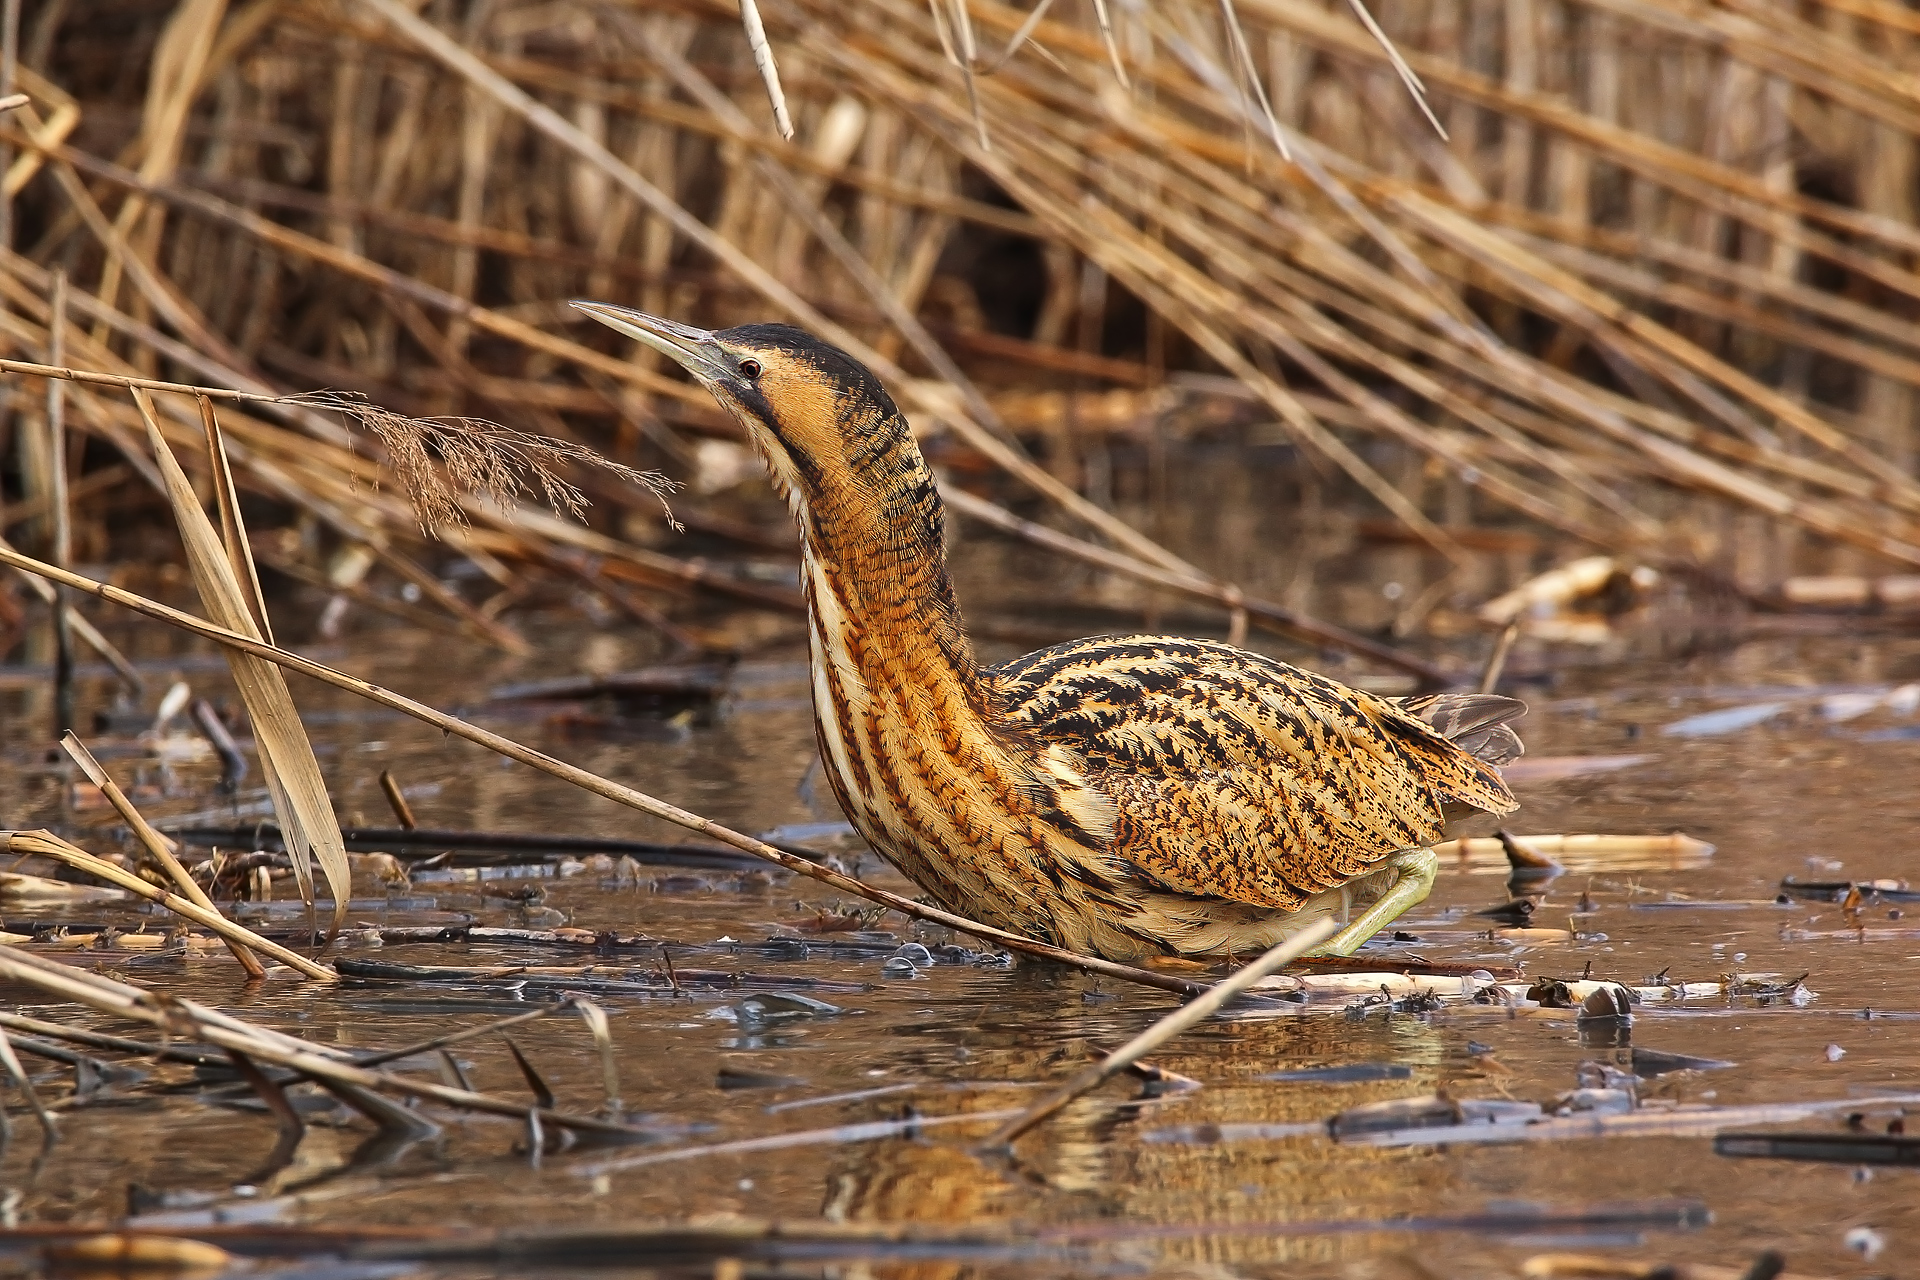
(1795, 796)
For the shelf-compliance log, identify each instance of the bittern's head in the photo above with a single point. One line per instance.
(820, 416)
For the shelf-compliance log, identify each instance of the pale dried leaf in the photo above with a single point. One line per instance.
(293, 776)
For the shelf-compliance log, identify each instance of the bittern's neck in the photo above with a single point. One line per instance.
(917, 748)
(876, 578)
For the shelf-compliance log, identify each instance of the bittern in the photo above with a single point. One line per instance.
(1126, 796)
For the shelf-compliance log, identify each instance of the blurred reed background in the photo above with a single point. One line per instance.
(1652, 293)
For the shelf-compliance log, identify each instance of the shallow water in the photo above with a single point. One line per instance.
(1794, 796)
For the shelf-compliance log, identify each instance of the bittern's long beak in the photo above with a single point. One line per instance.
(696, 349)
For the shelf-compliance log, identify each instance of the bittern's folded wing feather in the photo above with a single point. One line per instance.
(1239, 777)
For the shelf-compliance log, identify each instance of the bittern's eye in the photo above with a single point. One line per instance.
(749, 368)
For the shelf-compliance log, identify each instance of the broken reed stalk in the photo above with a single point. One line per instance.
(48, 845)
(179, 1017)
(397, 800)
(158, 847)
(1180, 1020)
(59, 506)
(588, 781)
(763, 60)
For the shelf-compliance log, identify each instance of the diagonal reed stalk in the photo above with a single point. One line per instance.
(238, 642)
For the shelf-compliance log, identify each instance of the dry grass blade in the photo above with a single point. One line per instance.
(1021, 36)
(233, 532)
(1249, 74)
(497, 463)
(1416, 89)
(1105, 20)
(763, 61)
(286, 756)
(1187, 1016)
(48, 845)
(967, 54)
(157, 846)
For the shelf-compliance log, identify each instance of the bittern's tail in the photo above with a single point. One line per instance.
(1477, 723)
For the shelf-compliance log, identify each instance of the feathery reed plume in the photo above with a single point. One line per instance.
(475, 456)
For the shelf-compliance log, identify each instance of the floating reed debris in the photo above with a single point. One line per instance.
(372, 1092)
(48, 845)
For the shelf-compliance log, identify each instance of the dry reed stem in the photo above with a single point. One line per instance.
(763, 60)
(158, 847)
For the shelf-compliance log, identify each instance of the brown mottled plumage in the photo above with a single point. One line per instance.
(1126, 797)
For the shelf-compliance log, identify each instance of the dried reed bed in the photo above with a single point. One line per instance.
(1659, 250)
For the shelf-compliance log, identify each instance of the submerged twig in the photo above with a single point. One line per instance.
(397, 800)
(19, 1075)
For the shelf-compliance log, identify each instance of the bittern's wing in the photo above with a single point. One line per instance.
(1239, 777)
